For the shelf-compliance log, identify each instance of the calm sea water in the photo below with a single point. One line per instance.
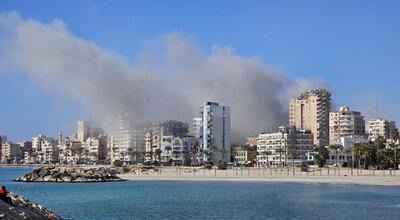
(208, 200)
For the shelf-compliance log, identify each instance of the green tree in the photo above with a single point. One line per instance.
(213, 151)
(223, 152)
(357, 151)
(379, 144)
(293, 154)
(222, 165)
(322, 155)
(117, 163)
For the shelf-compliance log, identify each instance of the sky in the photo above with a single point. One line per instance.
(353, 46)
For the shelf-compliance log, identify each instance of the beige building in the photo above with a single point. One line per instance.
(245, 156)
(310, 111)
(83, 131)
(380, 127)
(344, 123)
(10, 152)
(273, 148)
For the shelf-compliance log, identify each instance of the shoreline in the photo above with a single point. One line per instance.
(393, 182)
(338, 176)
(316, 176)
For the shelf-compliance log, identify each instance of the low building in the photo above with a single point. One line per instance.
(348, 141)
(380, 127)
(97, 149)
(245, 156)
(284, 145)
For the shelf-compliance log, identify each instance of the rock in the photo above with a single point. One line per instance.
(66, 179)
(70, 174)
(24, 209)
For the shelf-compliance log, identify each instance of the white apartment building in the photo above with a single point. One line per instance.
(345, 123)
(178, 150)
(154, 135)
(380, 127)
(213, 130)
(273, 148)
(310, 111)
(122, 138)
(96, 148)
(348, 141)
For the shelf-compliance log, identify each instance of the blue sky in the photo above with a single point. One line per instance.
(353, 45)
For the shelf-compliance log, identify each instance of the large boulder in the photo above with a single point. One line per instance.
(24, 209)
(70, 174)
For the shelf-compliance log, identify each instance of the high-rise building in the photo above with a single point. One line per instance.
(121, 138)
(214, 126)
(83, 131)
(380, 127)
(128, 139)
(345, 123)
(10, 153)
(310, 111)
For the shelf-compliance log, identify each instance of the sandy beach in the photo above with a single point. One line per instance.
(333, 176)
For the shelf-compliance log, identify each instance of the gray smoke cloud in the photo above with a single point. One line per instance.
(171, 79)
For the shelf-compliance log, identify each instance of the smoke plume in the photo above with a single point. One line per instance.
(169, 81)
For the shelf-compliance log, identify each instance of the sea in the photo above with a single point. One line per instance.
(207, 200)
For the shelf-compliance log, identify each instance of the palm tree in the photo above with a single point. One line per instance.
(168, 148)
(293, 154)
(357, 151)
(223, 154)
(322, 155)
(367, 151)
(379, 144)
(213, 150)
(349, 151)
(395, 137)
(336, 148)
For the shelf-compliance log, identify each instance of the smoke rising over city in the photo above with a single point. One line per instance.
(169, 81)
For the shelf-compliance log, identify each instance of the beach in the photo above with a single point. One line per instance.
(333, 176)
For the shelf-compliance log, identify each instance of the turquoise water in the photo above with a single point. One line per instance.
(208, 200)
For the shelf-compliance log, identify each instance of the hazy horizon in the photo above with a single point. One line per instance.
(94, 62)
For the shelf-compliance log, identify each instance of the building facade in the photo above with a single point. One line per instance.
(310, 111)
(213, 130)
(278, 147)
(83, 131)
(245, 156)
(380, 127)
(345, 123)
(10, 153)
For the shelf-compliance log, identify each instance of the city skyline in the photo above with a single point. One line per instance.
(355, 68)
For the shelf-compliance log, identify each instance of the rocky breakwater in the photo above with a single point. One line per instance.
(22, 208)
(71, 175)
